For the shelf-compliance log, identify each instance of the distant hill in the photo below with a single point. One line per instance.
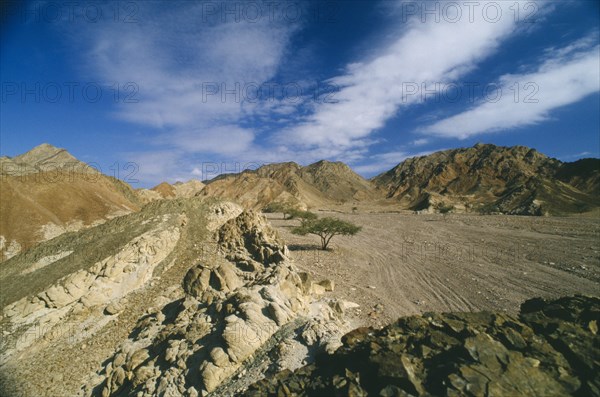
(165, 190)
(584, 174)
(46, 192)
(512, 180)
(321, 183)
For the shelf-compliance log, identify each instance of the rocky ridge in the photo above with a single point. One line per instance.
(550, 349)
(321, 183)
(487, 178)
(246, 312)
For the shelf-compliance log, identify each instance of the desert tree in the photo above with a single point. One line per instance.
(445, 210)
(287, 208)
(326, 228)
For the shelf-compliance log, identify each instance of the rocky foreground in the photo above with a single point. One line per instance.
(551, 349)
(245, 313)
(185, 298)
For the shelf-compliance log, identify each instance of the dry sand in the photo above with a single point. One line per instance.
(402, 264)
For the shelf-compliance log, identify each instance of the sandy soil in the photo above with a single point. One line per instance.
(402, 264)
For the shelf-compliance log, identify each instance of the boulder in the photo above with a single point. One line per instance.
(329, 285)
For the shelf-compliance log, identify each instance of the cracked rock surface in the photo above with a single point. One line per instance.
(551, 349)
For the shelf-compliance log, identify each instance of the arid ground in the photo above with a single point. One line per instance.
(402, 264)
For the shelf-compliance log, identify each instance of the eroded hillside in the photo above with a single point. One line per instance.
(318, 184)
(46, 192)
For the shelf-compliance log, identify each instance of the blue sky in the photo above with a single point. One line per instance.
(153, 91)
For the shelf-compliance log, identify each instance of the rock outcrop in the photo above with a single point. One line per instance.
(551, 349)
(245, 312)
(100, 287)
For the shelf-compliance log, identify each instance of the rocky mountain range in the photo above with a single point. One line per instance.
(511, 180)
(484, 178)
(318, 184)
(54, 192)
(165, 190)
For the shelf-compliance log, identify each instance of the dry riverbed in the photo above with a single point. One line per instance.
(402, 264)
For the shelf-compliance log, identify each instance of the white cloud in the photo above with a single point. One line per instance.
(373, 91)
(225, 139)
(567, 77)
(385, 161)
(420, 142)
(177, 59)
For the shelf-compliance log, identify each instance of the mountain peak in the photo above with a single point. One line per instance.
(45, 157)
(45, 153)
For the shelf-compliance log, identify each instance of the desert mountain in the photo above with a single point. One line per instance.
(166, 190)
(43, 158)
(485, 177)
(321, 183)
(584, 174)
(47, 191)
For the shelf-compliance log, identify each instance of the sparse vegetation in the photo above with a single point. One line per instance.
(326, 228)
(445, 209)
(285, 208)
(302, 215)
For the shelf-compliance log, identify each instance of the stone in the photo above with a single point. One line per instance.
(328, 285)
(317, 289)
(113, 308)
(219, 357)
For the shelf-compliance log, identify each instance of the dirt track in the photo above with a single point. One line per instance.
(402, 264)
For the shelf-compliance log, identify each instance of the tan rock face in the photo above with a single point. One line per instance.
(104, 284)
(201, 279)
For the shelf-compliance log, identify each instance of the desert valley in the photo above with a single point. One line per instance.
(299, 198)
(205, 288)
